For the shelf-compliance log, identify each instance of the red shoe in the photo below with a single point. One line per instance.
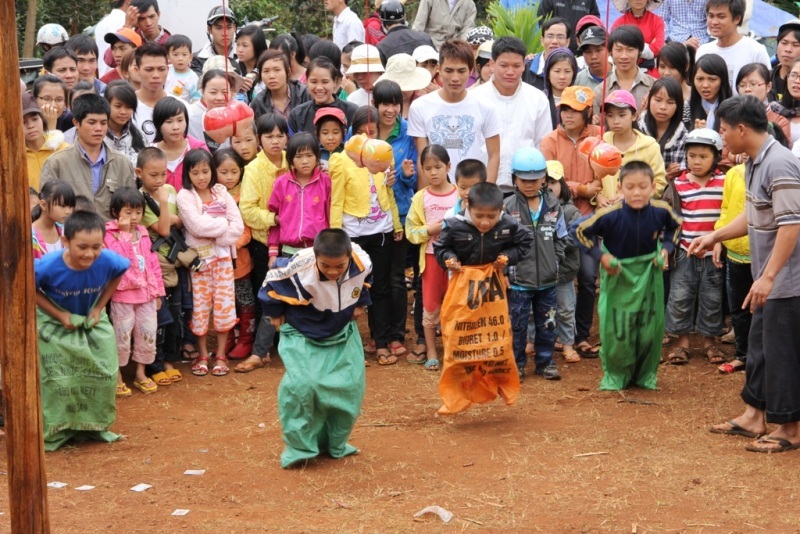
(247, 334)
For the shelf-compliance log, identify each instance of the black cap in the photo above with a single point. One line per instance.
(593, 35)
(221, 12)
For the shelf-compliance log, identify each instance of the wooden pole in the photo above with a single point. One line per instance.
(19, 354)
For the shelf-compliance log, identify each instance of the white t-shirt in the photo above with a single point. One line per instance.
(183, 85)
(737, 56)
(347, 27)
(462, 128)
(359, 97)
(143, 119)
(524, 119)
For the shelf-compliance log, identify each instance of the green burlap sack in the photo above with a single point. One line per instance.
(78, 374)
(631, 312)
(320, 395)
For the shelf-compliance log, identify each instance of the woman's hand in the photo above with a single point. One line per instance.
(408, 167)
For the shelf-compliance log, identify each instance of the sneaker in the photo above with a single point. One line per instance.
(550, 372)
(521, 374)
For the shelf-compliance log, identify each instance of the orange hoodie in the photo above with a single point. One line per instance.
(558, 146)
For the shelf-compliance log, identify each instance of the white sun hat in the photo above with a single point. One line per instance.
(365, 58)
(402, 69)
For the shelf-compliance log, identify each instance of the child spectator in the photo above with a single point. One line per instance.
(534, 278)
(592, 48)
(639, 13)
(631, 287)
(677, 61)
(55, 202)
(320, 395)
(300, 200)
(738, 276)
(122, 134)
(663, 121)
(163, 223)
(620, 108)
(710, 87)
(212, 225)
(135, 303)
(182, 82)
(171, 123)
(245, 143)
(363, 205)
(423, 226)
(696, 283)
(568, 268)
(230, 168)
(330, 125)
(79, 281)
(121, 42)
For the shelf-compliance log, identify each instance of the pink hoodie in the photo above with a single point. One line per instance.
(137, 286)
(303, 211)
(175, 178)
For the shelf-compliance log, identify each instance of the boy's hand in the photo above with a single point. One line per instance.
(64, 319)
(664, 260)
(162, 195)
(408, 167)
(610, 264)
(434, 228)
(124, 223)
(501, 261)
(94, 317)
(277, 322)
(358, 312)
(673, 170)
(716, 256)
(398, 236)
(453, 264)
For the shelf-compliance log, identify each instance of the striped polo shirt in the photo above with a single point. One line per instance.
(701, 206)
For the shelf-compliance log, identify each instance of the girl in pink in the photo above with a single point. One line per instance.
(171, 123)
(135, 303)
(300, 200)
(55, 203)
(212, 225)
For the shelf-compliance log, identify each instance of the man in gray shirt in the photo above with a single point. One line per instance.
(772, 222)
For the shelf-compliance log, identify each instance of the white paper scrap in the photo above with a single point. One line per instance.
(180, 512)
(84, 488)
(141, 487)
(194, 472)
(56, 485)
(444, 515)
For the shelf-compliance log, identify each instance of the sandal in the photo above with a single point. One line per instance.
(200, 366)
(432, 365)
(174, 375)
(162, 378)
(417, 357)
(370, 347)
(558, 347)
(123, 391)
(729, 367)
(189, 355)
(386, 359)
(587, 350)
(220, 367)
(572, 357)
(146, 386)
(679, 356)
(251, 364)
(397, 348)
(714, 355)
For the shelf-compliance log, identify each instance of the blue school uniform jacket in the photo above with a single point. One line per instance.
(317, 307)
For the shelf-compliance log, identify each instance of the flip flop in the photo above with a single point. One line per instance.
(784, 445)
(417, 358)
(397, 348)
(572, 357)
(162, 378)
(589, 353)
(734, 430)
(146, 386)
(432, 365)
(386, 359)
(123, 391)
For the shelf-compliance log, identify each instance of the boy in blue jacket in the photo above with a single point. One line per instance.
(314, 298)
(535, 278)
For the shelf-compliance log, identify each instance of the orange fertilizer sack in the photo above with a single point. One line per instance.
(476, 331)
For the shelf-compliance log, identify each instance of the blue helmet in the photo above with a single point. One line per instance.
(529, 164)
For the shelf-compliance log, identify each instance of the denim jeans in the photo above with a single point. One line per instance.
(739, 278)
(543, 303)
(565, 312)
(696, 285)
(587, 291)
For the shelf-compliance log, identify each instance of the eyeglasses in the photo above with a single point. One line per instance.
(50, 100)
(555, 37)
(749, 86)
(793, 76)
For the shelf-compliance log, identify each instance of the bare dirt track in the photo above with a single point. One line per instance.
(497, 468)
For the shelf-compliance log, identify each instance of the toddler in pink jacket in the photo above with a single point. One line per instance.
(135, 303)
(301, 200)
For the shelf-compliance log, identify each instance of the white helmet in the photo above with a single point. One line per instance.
(704, 136)
(51, 34)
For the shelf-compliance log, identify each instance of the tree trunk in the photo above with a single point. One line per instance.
(30, 29)
(19, 354)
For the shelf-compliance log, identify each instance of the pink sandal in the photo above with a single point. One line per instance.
(200, 366)
(220, 367)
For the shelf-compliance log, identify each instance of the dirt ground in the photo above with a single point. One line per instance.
(527, 468)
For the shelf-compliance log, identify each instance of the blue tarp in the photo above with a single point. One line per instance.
(765, 21)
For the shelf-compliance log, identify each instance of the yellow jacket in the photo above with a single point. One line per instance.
(54, 142)
(645, 149)
(259, 178)
(417, 226)
(350, 191)
(733, 201)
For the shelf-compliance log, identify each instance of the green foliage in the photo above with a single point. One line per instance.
(302, 16)
(74, 15)
(522, 23)
(789, 6)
